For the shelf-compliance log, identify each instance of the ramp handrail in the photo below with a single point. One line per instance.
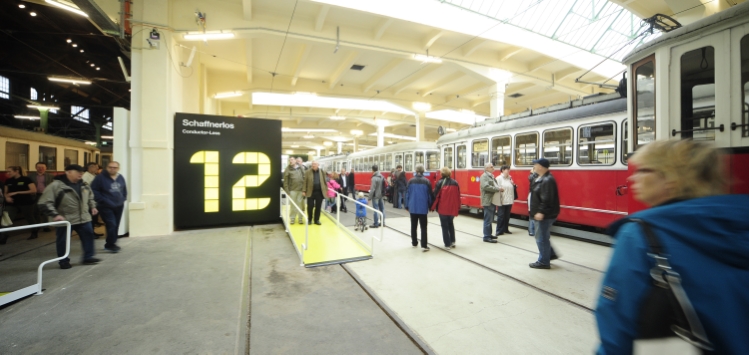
(285, 221)
(37, 288)
(338, 216)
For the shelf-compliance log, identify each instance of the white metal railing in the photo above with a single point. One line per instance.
(285, 218)
(36, 288)
(376, 211)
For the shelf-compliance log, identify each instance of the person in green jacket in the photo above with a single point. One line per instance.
(293, 184)
(70, 199)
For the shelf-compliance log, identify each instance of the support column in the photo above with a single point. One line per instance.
(497, 101)
(420, 123)
(380, 136)
(318, 152)
(356, 144)
(340, 147)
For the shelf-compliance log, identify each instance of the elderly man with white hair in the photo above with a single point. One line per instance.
(488, 188)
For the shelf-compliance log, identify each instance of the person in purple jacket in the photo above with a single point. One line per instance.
(110, 193)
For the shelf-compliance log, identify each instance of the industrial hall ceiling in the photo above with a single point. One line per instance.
(333, 70)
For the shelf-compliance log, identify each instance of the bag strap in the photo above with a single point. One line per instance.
(668, 278)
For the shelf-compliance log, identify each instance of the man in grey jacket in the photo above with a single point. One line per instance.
(69, 198)
(293, 184)
(488, 189)
(375, 194)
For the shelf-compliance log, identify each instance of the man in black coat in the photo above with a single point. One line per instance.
(342, 181)
(544, 211)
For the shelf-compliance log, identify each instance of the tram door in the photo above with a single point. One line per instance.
(739, 126)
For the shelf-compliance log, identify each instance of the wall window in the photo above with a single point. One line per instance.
(698, 93)
(597, 144)
(625, 141)
(501, 150)
(419, 159)
(71, 157)
(79, 113)
(479, 153)
(644, 114)
(462, 156)
(17, 154)
(745, 85)
(433, 161)
(526, 149)
(409, 166)
(33, 95)
(48, 155)
(448, 157)
(4, 88)
(558, 147)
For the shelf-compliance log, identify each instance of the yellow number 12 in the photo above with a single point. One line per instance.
(239, 191)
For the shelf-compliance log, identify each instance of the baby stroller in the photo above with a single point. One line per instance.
(361, 215)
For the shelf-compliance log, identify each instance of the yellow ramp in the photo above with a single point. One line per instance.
(328, 244)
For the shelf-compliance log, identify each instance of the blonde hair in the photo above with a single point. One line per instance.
(694, 168)
(360, 195)
(445, 171)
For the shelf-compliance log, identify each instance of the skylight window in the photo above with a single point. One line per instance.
(4, 88)
(79, 113)
(33, 94)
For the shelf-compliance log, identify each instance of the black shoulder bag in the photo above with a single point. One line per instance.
(667, 310)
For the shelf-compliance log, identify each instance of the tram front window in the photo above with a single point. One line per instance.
(462, 157)
(448, 158)
(433, 160)
(698, 94)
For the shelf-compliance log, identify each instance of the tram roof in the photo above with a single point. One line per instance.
(602, 108)
(737, 13)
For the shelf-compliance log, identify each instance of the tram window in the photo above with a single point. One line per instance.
(398, 160)
(48, 156)
(106, 159)
(645, 102)
(388, 162)
(71, 157)
(409, 166)
(16, 154)
(745, 85)
(433, 160)
(625, 141)
(370, 161)
(596, 144)
(526, 148)
(419, 159)
(344, 166)
(558, 146)
(698, 94)
(462, 156)
(480, 153)
(377, 161)
(448, 158)
(501, 150)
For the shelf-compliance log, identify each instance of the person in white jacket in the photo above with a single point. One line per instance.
(504, 200)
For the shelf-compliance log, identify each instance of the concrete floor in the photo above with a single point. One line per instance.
(242, 290)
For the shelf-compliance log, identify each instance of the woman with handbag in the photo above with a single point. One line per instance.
(447, 205)
(504, 200)
(692, 243)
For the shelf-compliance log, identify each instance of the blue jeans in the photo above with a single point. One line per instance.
(85, 232)
(400, 198)
(531, 226)
(488, 218)
(380, 206)
(543, 236)
(111, 217)
(448, 230)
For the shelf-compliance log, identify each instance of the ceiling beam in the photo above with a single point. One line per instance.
(424, 71)
(377, 76)
(301, 58)
(247, 9)
(472, 46)
(565, 73)
(539, 63)
(382, 27)
(481, 101)
(465, 92)
(449, 79)
(515, 88)
(432, 37)
(508, 53)
(248, 58)
(345, 65)
(321, 15)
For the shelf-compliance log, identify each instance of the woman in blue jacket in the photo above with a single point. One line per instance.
(705, 234)
(418, 200)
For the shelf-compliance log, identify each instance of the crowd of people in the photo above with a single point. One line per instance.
(76, 196)
(315, 185)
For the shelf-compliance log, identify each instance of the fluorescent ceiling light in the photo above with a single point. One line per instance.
(357, 132)
(309, 136)
(463, 116)
(90, 143)
(200, 36)
(295, 146)
(40, 107)
(32, 13)
(297, 100)
(305, 130)
(422, 106)
(396, 136)
(70, 80)
(66, 7)
(223, 95)
(427, 58)
(289, 152)
(27, 117)
(327, 143)
(107, 137)
(337, 118)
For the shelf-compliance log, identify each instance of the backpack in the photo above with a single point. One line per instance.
(384, 186)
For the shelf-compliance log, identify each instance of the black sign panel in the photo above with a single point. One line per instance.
(226, 171)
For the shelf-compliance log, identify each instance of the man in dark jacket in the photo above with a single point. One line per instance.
(544, 211)
(342, 181)
(419, 198)
(399, 187)
(314, 189)
(110, 193)
(375, 194)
